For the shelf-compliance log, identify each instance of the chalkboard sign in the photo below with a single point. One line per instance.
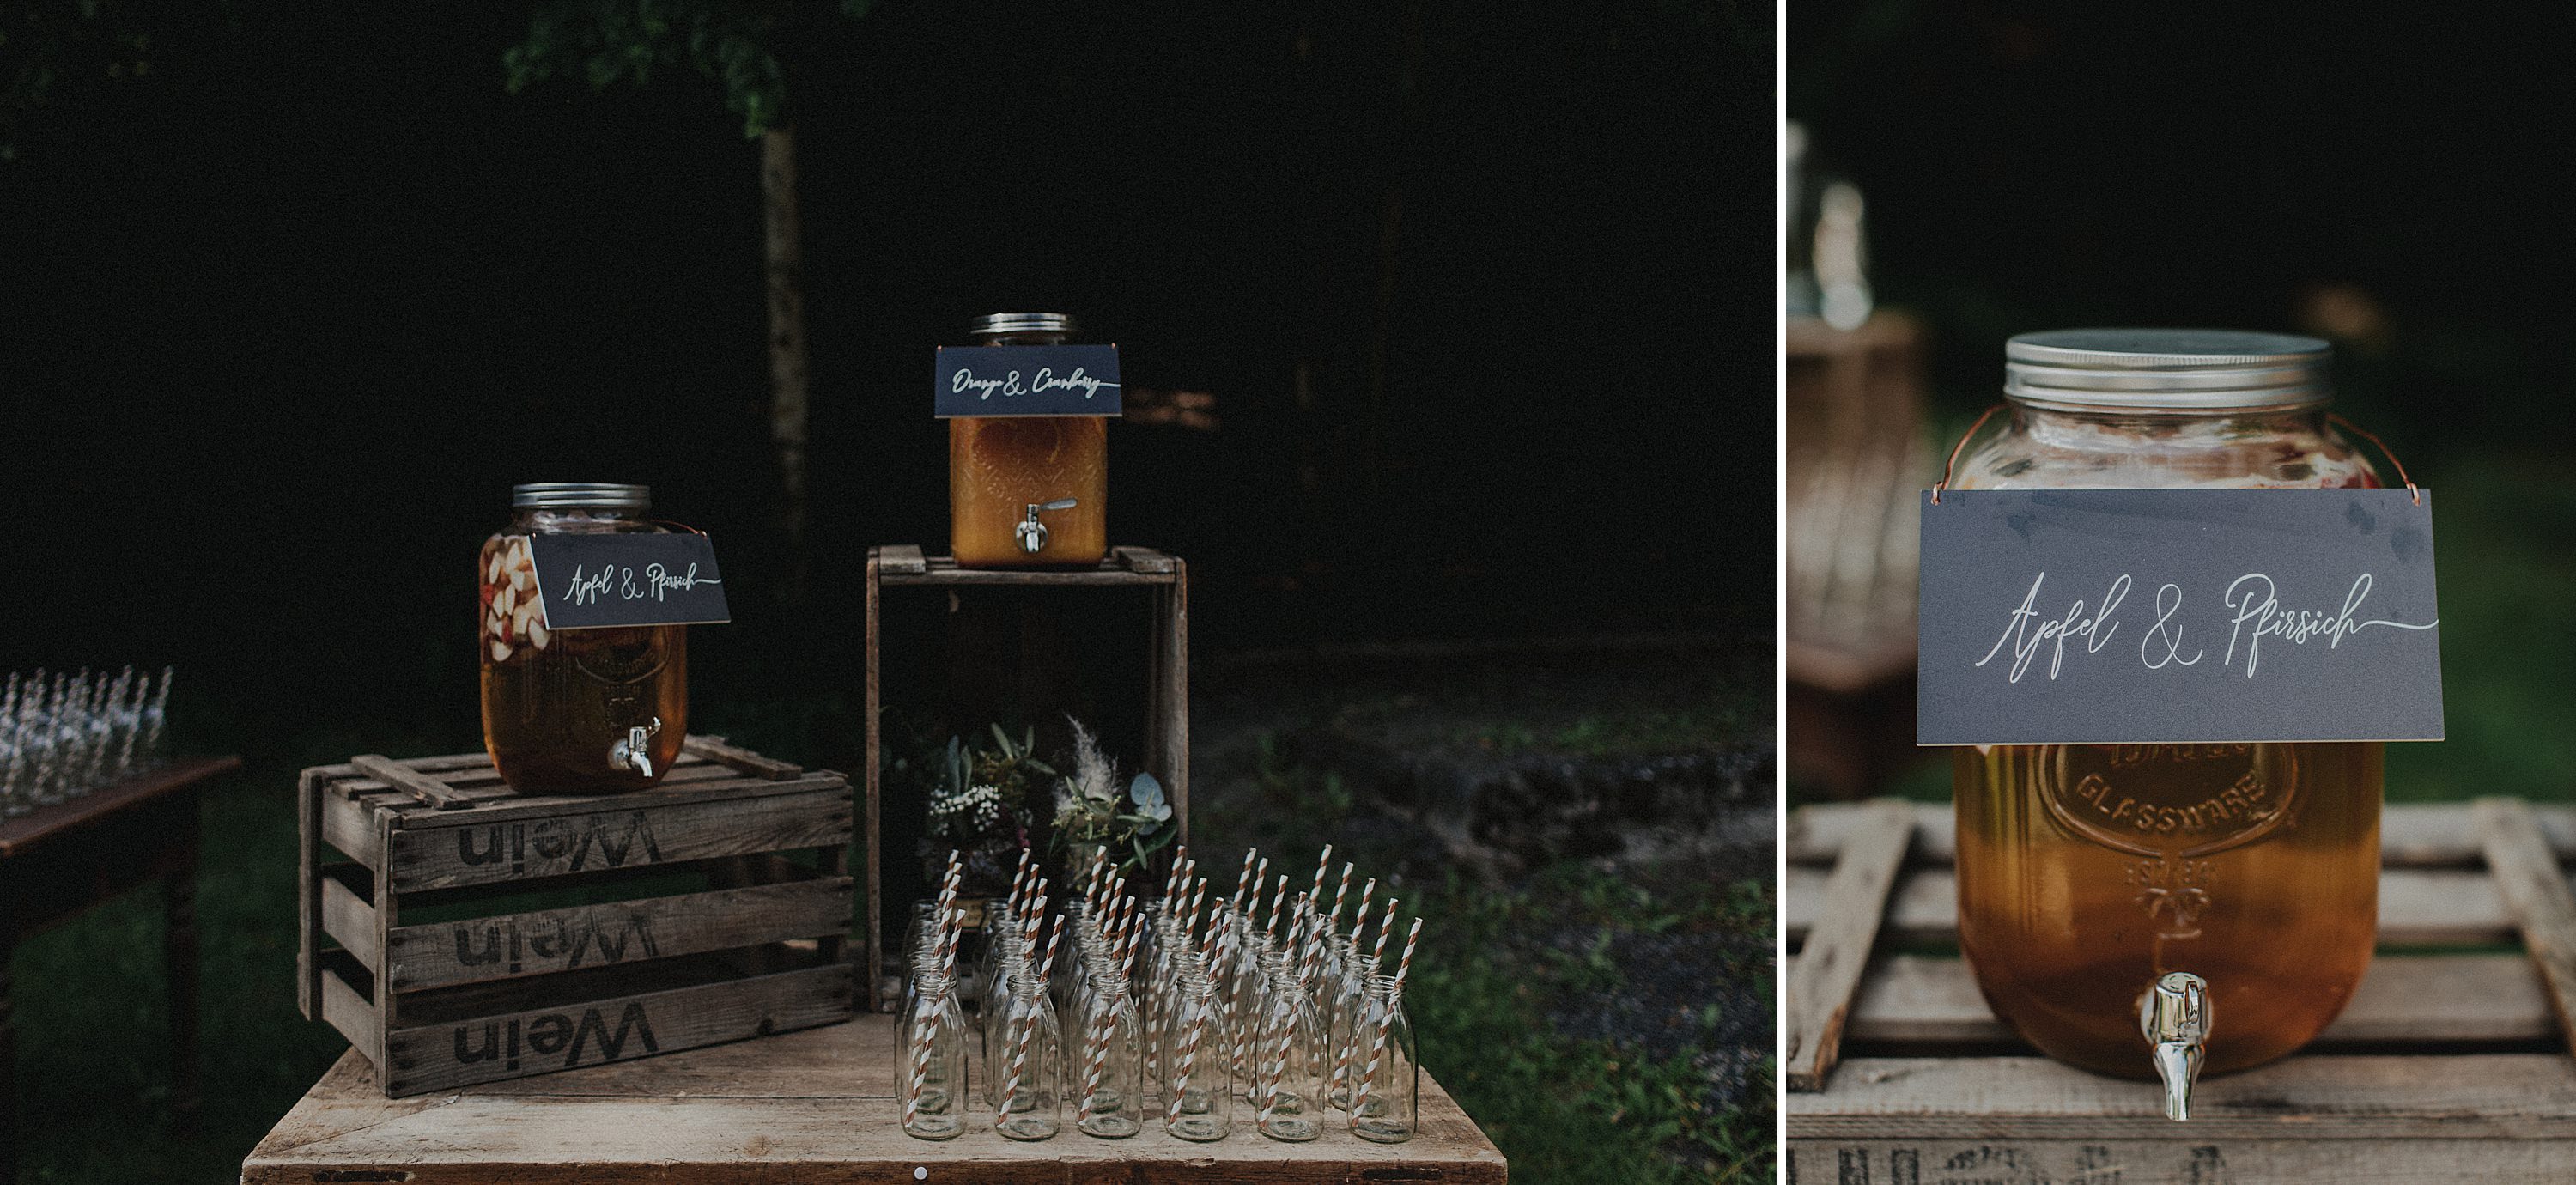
(628, 579)
(1027, 381)
(2151, 616)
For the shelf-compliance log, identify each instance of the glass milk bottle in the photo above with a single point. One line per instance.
(931, 1068)
(588, 711)
(2234, 936)
(1027, 491)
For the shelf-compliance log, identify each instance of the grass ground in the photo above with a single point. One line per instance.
(1552, 1009)
(1570, 1106)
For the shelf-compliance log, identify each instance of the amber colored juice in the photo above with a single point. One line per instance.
(998, 466)
(555, 702)
(2085, 871)
(550, 716)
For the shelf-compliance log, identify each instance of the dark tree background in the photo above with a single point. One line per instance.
(2390, 178)
(1482, 293)
(2043, 165)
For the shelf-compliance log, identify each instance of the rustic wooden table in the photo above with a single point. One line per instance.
(59, 860)
(804, 1107)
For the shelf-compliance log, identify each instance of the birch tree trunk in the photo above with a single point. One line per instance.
(788, 368)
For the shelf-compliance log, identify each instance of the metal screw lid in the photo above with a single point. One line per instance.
(2166, 370)
(586, 494)
(1014, 324)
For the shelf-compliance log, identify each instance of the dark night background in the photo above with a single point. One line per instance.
(2375, 175)
(1484, 295)
(287, 317)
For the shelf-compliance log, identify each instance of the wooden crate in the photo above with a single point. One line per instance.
(2450, 1063)
(804, 1108)
(444, 951)
(1165, 580)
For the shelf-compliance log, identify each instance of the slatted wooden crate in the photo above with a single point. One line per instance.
(1163, 577)
(445, 950)
(2451, 1063)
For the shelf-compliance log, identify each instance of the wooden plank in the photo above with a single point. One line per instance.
(2404, 1000)
(899, 557)
(2497, 1096)
(1022, 577)
(448, 1055)
(508, 946)
(874, 906)
(347, 918)
(1173, 700)
(444, 764)
(728, 787)
(2180, 1159)
(2535, 895)
(626, 831)
(27, 832)
(802, 1107)
(382, 919)
(1828, 970)
(1144, 559)
(473, 777)
(308, 895)
(2411, 835)
(349, 827)
(423, 787)
(2428, 907)
(715, 749)
(344, 1009)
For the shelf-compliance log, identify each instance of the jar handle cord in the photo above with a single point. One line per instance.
(1956, 449)
(2338, 421)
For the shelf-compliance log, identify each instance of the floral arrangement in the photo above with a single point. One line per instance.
(987, 801)
(982, 795)
(1092, 811)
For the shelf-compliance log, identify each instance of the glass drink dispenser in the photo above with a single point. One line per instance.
(587, 711)
(1027, 491)
(2234, 929)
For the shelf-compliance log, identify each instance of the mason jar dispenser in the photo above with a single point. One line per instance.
(575, 711)
(2235, 930)
(1027, 491)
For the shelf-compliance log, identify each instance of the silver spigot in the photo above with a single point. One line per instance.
(1033, 534)
(636, 751)
(2174, 1017)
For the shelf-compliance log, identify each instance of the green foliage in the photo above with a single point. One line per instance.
(982, 794)
(47, 46)
(739, 45)
(1568, 1110)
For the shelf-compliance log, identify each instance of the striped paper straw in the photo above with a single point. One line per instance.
(1245, 877)
(1323, 864)
(1377, 1053)
(1257, 877)
(1341, 896)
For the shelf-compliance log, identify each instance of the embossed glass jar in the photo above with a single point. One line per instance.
(1027, 491)
(589, 711)
(2087, 872)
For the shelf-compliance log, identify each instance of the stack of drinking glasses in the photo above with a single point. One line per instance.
(62, 736)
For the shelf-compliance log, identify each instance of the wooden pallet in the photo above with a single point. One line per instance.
(1167, 692)
(476, 934)
(807, 1107)
(2447, 1065)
